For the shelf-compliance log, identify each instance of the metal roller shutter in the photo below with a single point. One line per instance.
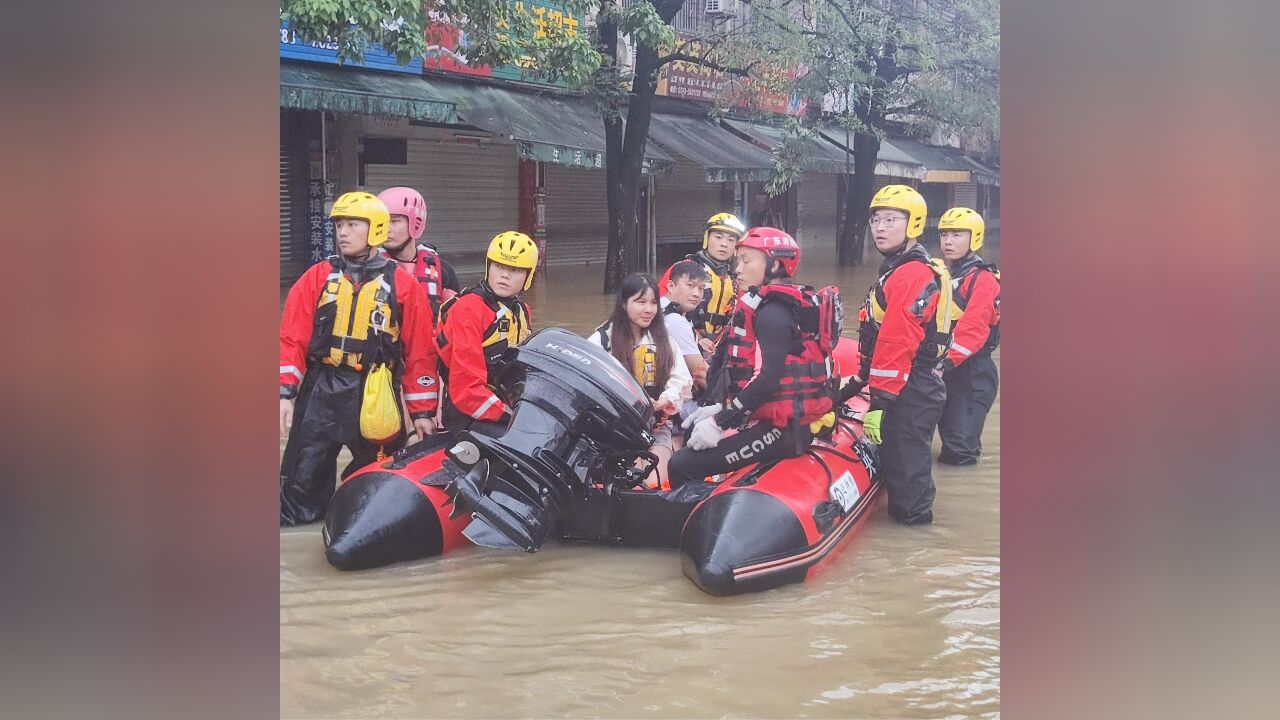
(577, 215)
(472, 194)
(966, 195)
(288, 261)
(818, 209)
(683, 202)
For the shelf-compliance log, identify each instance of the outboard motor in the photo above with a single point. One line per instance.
(579, 419)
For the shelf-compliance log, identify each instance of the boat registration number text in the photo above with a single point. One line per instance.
(845, 491)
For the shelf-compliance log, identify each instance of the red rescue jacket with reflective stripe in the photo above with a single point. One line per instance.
(417, 358)
(977, 294)
(476, 327)
(907, 290)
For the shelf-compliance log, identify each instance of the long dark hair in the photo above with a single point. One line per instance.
(624, 341)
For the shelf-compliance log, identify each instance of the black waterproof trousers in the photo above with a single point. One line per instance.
(758, 443)
(971, 391)
(326, 416)
(906, 453)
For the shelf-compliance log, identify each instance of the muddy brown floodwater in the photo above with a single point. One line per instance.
(905, 623)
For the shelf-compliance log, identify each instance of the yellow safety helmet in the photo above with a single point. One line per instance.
(514, 249)
(726, 222)
(906, 199)
(363, 206)
(962, 218)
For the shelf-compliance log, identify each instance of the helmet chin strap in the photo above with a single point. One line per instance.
(407, 244)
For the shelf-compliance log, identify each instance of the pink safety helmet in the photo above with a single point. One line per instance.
(408, 202)
(776, 244)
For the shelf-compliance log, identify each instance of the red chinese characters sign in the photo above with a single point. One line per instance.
(690, 81)
(447, 45)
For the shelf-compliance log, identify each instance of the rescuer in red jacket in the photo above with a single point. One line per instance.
(342, 317)
(405, 245)
(969, 371)
(775, 376)
(902, 334)
(478, 326)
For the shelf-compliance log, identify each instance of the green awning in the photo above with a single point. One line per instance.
(723, 155)
(348, 89)
(820, 156)
(890, 161)
(948, 164)
(546, 126)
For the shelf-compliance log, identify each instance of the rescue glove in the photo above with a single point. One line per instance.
(871, 425)
(700, 413)
(706, 434)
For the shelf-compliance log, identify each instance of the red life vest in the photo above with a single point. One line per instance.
(807, 388)
(428, 271)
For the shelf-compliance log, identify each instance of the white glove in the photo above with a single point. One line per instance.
(700, 413)
(706, 434)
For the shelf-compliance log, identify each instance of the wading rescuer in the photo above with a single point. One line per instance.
(775, 375)
(904, 330)
(477, 326)
(719, 239)
(342, 318)
(405, 246)
(968, 370)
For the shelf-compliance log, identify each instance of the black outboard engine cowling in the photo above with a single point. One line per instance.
(573, 402)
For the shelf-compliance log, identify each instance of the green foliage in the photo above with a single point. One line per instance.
(354, 25)
(640, 22)
(899, 65)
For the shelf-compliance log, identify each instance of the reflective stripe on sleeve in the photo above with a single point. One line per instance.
(292, 370)
(884, 373)
(961, 349)
(487, 404)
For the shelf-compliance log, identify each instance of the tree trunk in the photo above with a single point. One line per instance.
(624, 149)
(866, 148)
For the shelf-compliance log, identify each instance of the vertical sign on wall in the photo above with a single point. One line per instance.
(319, 226)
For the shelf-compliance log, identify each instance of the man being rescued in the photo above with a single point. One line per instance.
(719, 239)
(775, 378)
(478, 326)
(345, 316)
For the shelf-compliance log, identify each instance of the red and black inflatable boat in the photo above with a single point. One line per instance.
(566, 467)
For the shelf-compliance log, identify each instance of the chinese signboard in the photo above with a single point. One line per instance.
(319, 226)
(327, 52)
(690, 81)
(447, 44)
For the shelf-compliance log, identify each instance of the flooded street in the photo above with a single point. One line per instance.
(905, 623)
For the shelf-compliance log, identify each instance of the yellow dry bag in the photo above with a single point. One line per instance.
(380, 411)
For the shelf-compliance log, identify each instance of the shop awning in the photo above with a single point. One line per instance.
(947, 164)
(548, 127)
(723, 155)
(820, 156)
(317, 86)
(890, 161)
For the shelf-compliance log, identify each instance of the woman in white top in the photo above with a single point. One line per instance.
(643, 347)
